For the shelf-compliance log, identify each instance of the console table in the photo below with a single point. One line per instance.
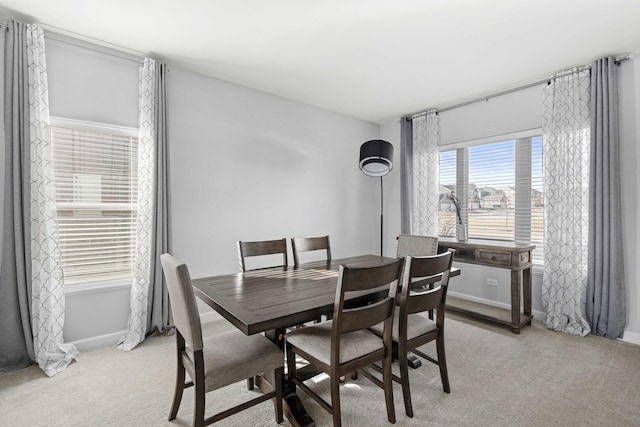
(512, 256)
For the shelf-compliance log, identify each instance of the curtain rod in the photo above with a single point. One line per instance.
(508, 91)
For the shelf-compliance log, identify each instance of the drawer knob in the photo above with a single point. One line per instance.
(493, 258)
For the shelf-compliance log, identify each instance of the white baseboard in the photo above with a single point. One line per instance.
(538, 315)
(111, 340)
(631, 337)
(100, 341)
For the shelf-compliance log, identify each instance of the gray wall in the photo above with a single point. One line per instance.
(247, 165)
(244, 165)
(522, 111)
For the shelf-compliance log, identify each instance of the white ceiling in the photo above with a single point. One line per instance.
(371, 59)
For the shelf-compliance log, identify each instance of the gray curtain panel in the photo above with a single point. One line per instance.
(406, 174)
(16, 336)
(606, 302)
(158, 296)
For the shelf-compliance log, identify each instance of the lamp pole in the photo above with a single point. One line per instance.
(381, 217)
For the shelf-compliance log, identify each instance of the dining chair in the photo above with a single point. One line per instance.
(345, 344)
(411, 329)
(262, 248)
(417, 245)
(215, 361)
(311, 244)
(259, 249)
(414, 245)
(308, 244)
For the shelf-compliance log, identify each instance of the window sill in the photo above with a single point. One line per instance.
(97, 287)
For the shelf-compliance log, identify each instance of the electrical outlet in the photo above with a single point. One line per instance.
(492, 282)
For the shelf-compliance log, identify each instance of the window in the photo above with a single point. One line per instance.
(95, 174)
(503, 186)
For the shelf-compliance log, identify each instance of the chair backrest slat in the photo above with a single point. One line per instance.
(418, 268)
(368, 312)
(183, 301)
(366, 316)
(260, 248)
(423, 301)
(306, 244)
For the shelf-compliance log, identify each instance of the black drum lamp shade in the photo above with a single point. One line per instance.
(376, 157)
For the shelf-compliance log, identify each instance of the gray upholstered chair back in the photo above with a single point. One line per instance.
(416, 245)
(183, 301)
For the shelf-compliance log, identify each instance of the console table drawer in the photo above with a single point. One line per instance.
(494, 257)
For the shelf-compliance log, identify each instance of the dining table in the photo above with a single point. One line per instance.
(270, 300)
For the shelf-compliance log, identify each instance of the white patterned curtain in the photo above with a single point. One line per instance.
(566, 130)
(149, 299)
(426, 166)
(52, 355)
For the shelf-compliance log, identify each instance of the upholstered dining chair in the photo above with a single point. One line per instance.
(344, 344)
(414, 245)
(261, 248)
(308, 244)
(411, 329)
(417, 245)
(213, 362)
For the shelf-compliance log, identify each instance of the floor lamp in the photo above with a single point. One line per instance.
(376, 159)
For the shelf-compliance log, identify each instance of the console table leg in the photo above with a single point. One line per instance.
(516, 280)
(526, 292)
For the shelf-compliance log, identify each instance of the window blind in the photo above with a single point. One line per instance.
(447, 212)
(499, 187)
(95, 174)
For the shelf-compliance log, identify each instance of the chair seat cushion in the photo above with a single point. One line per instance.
(417, 324)
(316, 341)
(231, 356)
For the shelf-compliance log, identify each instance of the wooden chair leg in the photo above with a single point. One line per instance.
(387, 380)
(291, 367)
(335, 400)
(198, 412)
(278, 378)
(442, 363)
(177, 394)
(403, 363)
(250, 383)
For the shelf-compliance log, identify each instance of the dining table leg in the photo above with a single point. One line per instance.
(293, 408)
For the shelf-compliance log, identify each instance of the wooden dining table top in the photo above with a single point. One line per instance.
(277, 298)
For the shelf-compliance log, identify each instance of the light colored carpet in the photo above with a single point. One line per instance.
(538, 378)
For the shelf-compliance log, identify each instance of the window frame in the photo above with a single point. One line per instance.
(126, 131)
(523, 179)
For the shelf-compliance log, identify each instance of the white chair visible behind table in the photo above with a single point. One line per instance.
(409, 244)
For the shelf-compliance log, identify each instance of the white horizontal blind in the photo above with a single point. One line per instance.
(492, 191)
(503, 199)
(447, 211)
(95, 175)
